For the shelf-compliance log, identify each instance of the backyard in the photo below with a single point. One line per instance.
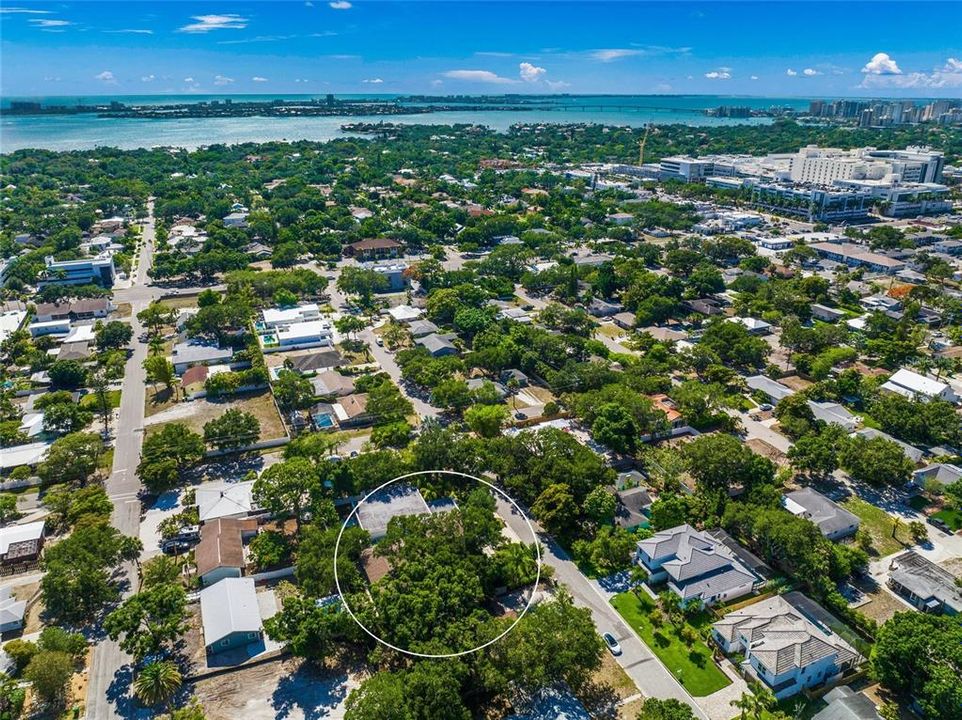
(690, 663)
(951, 517)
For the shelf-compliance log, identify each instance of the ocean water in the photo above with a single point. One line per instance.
(87, 131)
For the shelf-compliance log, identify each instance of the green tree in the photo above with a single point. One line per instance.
(113, 335)
(157, 682)
(49, 672)
(310, 631)
(876, 461)
(293, 391)
(66, 418)
(670, 709)
(380, 697)
(160, 370)
(149, 621)
(292, 488)
(72, 458)
(719, 461)
(599, 506)
(486, 420)
(615, 427)
(67, 374)
(234, 429)
(556, 509)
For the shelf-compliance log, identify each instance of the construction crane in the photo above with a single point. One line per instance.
(641, 145)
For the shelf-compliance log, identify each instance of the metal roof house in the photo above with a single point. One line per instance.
(912, 385)
(772, 389)
(927, 586)
(186, 355)
(437, 345)
(225, 500)
(11, 610)
(229, 614)
(21, 543)
(834, 521)
(846, 704)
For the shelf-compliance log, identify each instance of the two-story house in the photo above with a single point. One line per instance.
(695, 566)
(787, 643)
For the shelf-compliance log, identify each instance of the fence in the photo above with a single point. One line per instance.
(259, 445)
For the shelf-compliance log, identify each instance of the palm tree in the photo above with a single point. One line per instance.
(157, 682)
(896, 524)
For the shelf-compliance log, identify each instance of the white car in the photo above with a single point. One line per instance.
(612, 643)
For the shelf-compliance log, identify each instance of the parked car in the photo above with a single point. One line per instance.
(940, 524)
(175, 547)
(379, 341)
(612, 643)
(765, 407)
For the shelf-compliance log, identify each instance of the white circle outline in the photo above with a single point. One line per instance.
(537, 580)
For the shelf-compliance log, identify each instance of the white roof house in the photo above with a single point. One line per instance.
(225, 500)
(11, 610)
(911, 385)
(227, 608)
(405, 313)
(29, 454)
(832, 413)
(279, 317)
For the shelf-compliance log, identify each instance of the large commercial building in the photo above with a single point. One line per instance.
(97, 270)
(823, 166)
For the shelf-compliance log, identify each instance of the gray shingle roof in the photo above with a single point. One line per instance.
(812, 505)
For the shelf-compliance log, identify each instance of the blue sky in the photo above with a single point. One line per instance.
(889, 49)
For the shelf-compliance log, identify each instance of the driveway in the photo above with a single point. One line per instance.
(641, 665)
(387, 362)
(761, 430)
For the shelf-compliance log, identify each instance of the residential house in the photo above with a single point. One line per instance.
(826, 313)
(475, 384)
(29, 455)
(602, 308)
(21, 543)
(857, 256)
(514, 374)
(84, 309)
(230, 616)
(704, 306)
(787, 643)
(695, 566)
(943, 473)
(194, 379)
(330, 383)
(373, 249)
(625, 320)
(275, 318)
(236, 220)
(396, 500)
(225, 500)
(405, 313)
(911, 452)
(844, 703)
(188, 354)
(754, 325)
(51, 327)
(832, 413)
(771, 389)
(517, 314)
(634, 505)
(351, 411)
(308, 363)
(553, 703)
(927, 586)
(220, 552)
(915, 386)
(834, 521)
(666, 405)
(299, 336)
(11, 610)
(437, 345)
(420, 328)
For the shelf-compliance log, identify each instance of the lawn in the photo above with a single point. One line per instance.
(90, 401)
(879, 525)
(195, 413)
(691, 665)
(951, 517)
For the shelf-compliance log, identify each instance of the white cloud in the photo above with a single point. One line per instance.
(308, 4)
(301, 80)
(611, 54)
(23, 11)
(478, 76)
(791, 73)
(130, 31)
(106, 77)
(947, 76)
(340, 5)
(810, 72)
(753, 77)
(531, 73)
(557, 84)
(372, 81)
(881, 64)
(258, 79)
(222, 80)
(147, 78)
(722, 73)
(47, 23)
(189, 80)
(206, 23)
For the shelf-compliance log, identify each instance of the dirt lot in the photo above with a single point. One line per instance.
(289, 689)
(795, 383)
(197, 412)
(610, 685)
(882, 605)
(31, 620)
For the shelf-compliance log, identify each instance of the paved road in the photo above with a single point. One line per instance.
(123, 484)
(760, 430)
(641, 665)
(390, 366)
